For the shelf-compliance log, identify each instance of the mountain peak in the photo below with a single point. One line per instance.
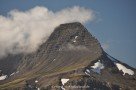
(72, 23)
(73, 39)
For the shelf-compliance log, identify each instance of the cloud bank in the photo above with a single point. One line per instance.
(72, 47)
(24, 32)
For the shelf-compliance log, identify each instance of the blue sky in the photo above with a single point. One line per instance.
(114, 25)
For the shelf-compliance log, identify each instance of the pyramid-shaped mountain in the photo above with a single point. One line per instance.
(71, 59)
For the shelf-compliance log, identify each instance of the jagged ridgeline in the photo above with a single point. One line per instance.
(71, 59)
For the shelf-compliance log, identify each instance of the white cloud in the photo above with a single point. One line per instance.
(23, 32)
(105, 46)
(72, 47)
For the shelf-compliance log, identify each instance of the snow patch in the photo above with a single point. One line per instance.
(97, 67)
(54, 59)
(3, 77)
(36, 81)
(63, 88)
(17, 72)
(64, 81)
(75, 38)
(87, 72)
(12, 74)
(74, 41)
(124, 69)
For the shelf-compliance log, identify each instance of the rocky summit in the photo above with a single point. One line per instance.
(71, 59)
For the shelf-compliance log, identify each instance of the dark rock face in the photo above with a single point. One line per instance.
(72, 53)
(10, 63)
